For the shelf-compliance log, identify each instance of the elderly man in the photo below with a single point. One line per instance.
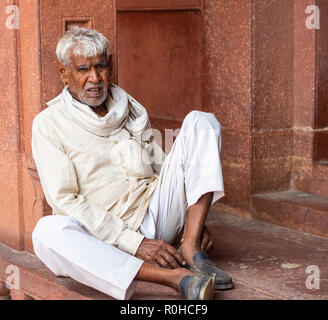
(118, 202)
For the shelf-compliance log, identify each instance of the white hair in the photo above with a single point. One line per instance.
(83, 42)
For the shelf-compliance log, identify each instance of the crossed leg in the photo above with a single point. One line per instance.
(68, 249)
(190, 181)
(197, 214)
(193, 229)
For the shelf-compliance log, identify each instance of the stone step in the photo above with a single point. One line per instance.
(298, 210)
(37, 282)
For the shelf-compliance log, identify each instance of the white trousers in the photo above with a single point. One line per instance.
(191, 169)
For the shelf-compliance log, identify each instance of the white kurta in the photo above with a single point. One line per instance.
(106, 183)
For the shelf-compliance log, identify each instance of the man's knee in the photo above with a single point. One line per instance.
(42, 227)
(50, 227)
(201, 120)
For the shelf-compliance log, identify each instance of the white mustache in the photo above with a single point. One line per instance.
(95, 87)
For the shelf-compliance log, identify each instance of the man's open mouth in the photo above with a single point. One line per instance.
(95, 91)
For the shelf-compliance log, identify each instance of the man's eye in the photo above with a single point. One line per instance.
(102, 65)
(82, 69)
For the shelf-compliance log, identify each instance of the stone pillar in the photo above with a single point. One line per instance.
(272, 94)
(310, 169)
(33, 204)
(12, 220)
(248, 82)
(226, 91)
(304, 96)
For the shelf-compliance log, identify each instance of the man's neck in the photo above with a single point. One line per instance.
(100, 110)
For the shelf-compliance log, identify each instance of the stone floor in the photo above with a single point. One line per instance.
(267, 262)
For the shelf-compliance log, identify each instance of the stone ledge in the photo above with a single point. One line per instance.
(37, 282)
(298, 210)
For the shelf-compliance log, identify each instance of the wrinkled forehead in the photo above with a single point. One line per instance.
(78, 59)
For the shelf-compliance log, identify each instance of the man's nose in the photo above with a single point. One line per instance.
(94, 75)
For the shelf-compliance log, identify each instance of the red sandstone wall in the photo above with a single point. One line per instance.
(11, 225)
(272, 94)
(159, 59)
(310, 56)
(226, 90)
(251, 63)
(248, 84)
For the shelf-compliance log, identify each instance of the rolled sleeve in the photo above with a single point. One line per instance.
(129, 241)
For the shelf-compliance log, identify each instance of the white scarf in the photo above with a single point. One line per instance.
(125, 113)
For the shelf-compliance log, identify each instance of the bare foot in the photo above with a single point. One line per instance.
(188, 251)
(179, 274)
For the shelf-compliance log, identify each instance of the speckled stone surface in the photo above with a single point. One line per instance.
(321, 120)
(9, 113)
(10, 229)
(159, 60)
(298, 210)
(226, 90)
(272, 54)
(227, 61)
(272, 94)
(309, 176)
(269, 259)
(147, 5)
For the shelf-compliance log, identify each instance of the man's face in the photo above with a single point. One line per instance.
(87, 78)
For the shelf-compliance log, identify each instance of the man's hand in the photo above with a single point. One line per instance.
(206, 243)
(159, 252)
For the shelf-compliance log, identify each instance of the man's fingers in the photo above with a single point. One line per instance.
(209, 246)
(159, 252)
(176, 255)
(169, 254)
(204, 244)
(205, 241)
(162, 262)
(170, 260)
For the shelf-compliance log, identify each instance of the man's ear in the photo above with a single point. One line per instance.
(63, 73)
